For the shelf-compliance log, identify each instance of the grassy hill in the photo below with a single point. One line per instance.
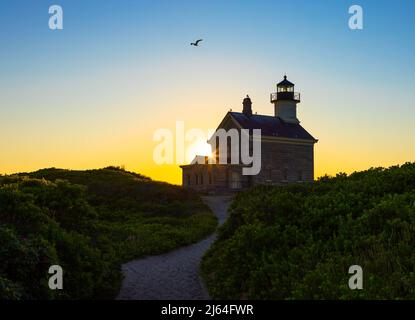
(298, 242)
(88, 222)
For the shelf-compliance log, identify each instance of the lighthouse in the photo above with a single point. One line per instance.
(286, 153)
(285, 101)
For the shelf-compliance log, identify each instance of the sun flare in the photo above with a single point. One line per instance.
(200, 148)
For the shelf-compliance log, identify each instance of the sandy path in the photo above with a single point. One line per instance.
(174, 275)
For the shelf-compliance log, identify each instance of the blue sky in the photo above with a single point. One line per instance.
(88, 95)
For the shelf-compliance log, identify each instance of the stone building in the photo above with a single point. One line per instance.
(287, 149)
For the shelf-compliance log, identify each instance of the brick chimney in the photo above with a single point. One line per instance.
(247, 106)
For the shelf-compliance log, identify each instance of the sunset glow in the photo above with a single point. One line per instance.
(68, 99)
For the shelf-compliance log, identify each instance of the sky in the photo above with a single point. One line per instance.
(93, 94)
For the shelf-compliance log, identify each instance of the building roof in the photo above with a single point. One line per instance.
(285, 83)
(271, 126)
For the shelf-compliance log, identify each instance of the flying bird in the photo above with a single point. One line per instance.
(196, 44)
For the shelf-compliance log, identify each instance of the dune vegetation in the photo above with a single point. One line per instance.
(298, 242)
(88, 222)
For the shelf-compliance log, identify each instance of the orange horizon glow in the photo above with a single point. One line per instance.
(127, 139)
(92, 95)
(328, 160)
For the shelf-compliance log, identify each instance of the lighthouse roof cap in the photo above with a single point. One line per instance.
(285, 83)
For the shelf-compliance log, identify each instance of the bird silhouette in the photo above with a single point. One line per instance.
(196, 44)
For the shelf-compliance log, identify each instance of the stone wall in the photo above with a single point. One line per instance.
(283, 163)
(214, 177)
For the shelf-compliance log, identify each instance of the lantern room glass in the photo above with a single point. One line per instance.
(285, 89)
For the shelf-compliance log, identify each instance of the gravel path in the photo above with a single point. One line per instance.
(174, 275)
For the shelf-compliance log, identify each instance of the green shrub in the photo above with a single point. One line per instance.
(88, 222)
(297, 242)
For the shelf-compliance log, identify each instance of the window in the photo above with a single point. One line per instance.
(201, 178)
(197, 179)
(285, 175)
(210, 177)
(217, 150)
(299, 175)
(188, 179)
(268, 174)
(236, 180)
(285, 89)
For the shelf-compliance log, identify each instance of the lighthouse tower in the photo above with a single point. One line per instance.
(285, 101)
